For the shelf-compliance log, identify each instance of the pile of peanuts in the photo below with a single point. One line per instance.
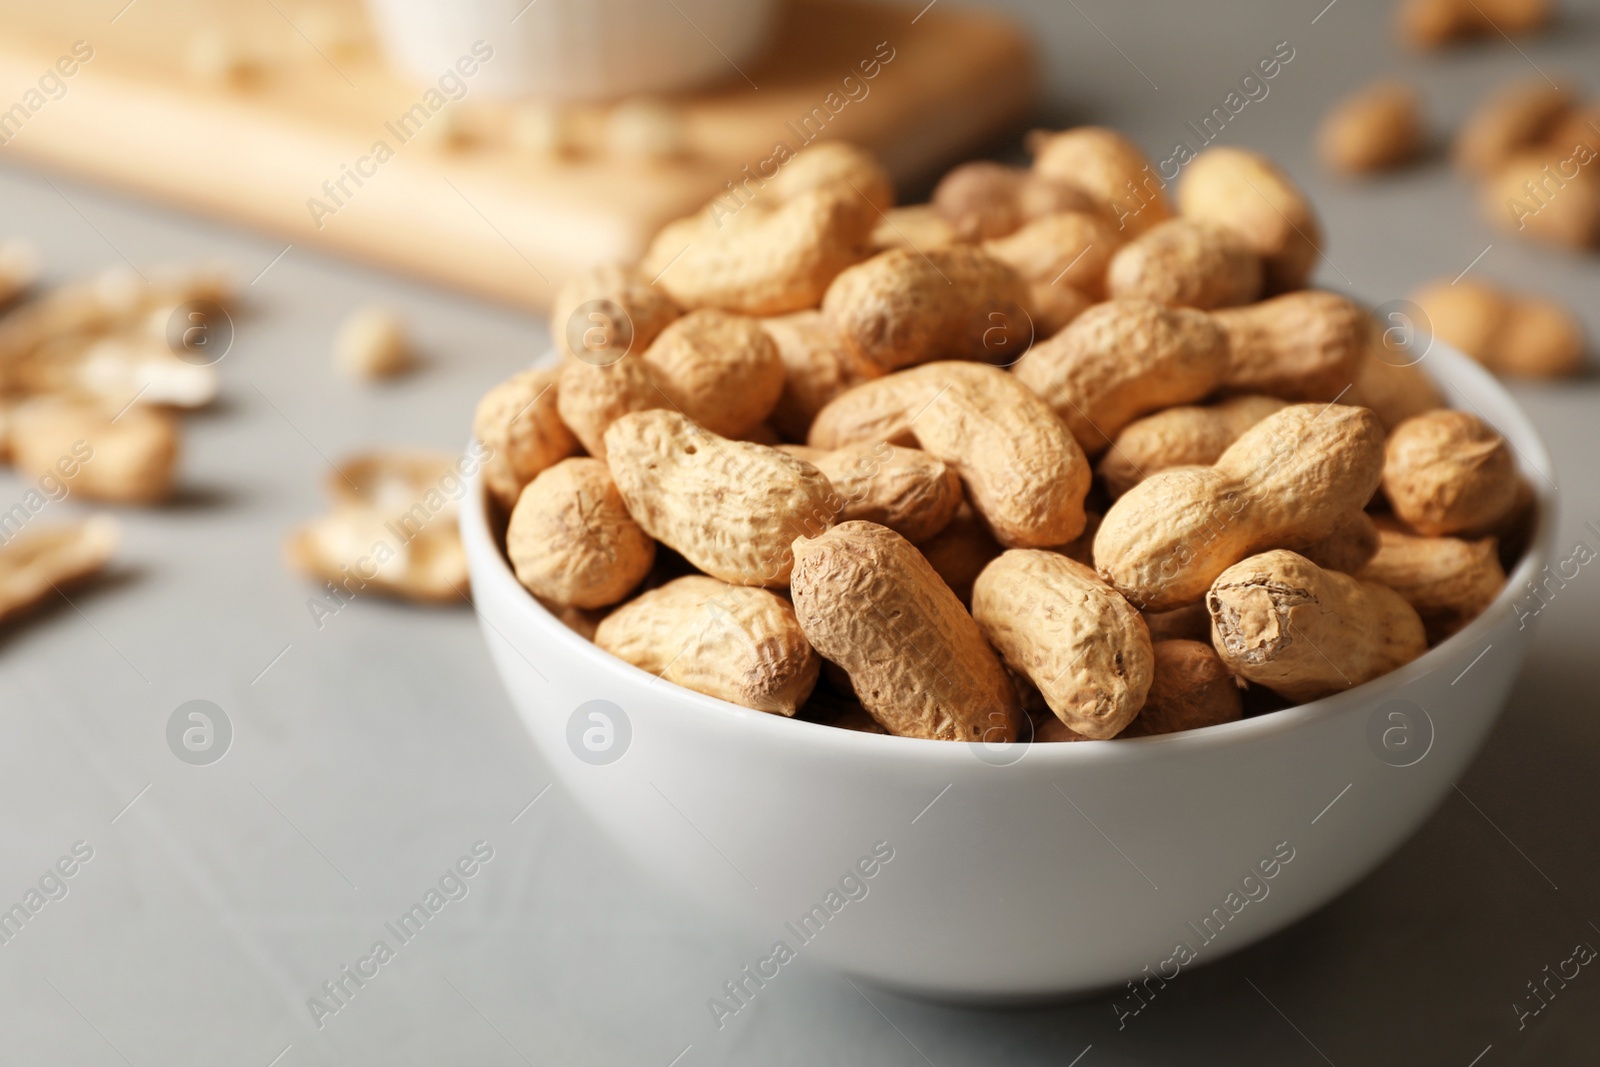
(90, 390)
(1045, 457)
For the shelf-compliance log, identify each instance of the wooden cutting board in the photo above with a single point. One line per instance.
(474, 210)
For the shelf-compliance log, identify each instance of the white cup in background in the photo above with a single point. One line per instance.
(576, 49)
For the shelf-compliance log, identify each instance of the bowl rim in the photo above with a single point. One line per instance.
(487, 563)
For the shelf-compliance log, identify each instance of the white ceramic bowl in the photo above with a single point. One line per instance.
(576, 49)
(1018, 872)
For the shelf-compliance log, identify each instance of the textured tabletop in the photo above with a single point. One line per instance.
(373, 749)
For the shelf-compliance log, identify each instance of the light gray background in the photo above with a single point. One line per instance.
(375, 751)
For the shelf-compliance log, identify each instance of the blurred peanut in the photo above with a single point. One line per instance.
(1070, 247)
(1548, 195)
(1378, 128)
(1348, 548)
(1107, 166)
(371, 343)
(767, 257)
(1429, 24)
(1512, 119)
(981, 201)
(836, 164)
(604, 313)
(907, 490)
(1247, 193)
(1505, 331)
(817, 367)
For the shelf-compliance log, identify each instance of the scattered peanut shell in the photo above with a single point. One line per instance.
(732, 642)
(1075, 637)
(398, 483)
(1281, 621)
(126, 458)
(36, 564)
(867, 600)
(118, 367)
(392, 530)
(353, 550)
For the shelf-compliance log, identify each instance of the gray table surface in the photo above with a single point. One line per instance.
(370, 753)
